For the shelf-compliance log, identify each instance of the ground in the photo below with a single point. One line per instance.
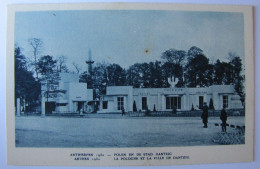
(116, 131)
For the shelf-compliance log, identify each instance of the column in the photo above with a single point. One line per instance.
(18, 107)
(159, 103)
(43, 106)
(188, 105)
(215, 99)
(163, 103)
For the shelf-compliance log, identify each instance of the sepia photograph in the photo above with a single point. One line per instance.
(130, 78)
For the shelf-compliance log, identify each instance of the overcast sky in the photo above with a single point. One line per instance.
(122, 37)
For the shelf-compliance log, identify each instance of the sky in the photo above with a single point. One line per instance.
(126, 37)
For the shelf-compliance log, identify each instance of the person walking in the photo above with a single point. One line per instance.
(205, 115)
(223, 118)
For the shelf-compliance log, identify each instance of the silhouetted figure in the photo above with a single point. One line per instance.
(223, 118)
(123, 111)
(205, 115)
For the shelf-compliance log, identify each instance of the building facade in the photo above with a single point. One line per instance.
(78, 99)
(166, 99)
(75, 99)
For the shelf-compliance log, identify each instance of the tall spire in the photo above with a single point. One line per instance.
(89, 55)
(89, 62)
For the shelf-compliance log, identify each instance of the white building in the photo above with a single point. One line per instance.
(164, 99)
(78, 99)
(74, 100)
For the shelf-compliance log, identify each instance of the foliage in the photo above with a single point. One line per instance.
(26, 87)
(147, 112)
(154, 108)
(192, 108)
(61, 64)
(211, 105)
(134, 107)
(174, 56)
(49, 77)
(116, 75)
(238, 78)
(193, 52)
(198, 72)
(223, 73)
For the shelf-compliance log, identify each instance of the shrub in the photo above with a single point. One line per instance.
(134, 107)
(154, 109)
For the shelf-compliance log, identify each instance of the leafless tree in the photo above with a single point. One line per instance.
(37, 45)
(77, 67)
(61, 66)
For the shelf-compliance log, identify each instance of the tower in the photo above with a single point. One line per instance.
(89, 62)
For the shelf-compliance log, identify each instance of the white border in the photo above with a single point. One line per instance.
(19, 157)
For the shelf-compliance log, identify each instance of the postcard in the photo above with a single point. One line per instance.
(129, 84)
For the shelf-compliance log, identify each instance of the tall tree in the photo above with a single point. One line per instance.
(173, 65)
(26, 87)
(116, 75)
(36, 45)
(223, 73)
(174, 56)
(49, 77)
(172, 71)
(99, 78)
(238, 79)
(61, 64)
(198, 71)
(133, 75)
(193, 52)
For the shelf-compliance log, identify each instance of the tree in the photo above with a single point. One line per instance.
(61, 64)
(222, 73)
(198, 72)
(116, 75)
(26, 87)
(37, 45)
(99, 78)
(238, 79)
(193, 52)
(133, 75)
(174, 56)
(173, 65)
(192, 108)
(134, 107)
(211, 105)
(49, 77)
(77, 67)
(171, 70)
(154, 108)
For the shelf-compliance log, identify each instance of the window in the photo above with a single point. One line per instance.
(105, 103)
(225, 101)
(120, 103)
(61, 104)
(201, 100)
(173, 101)
(144, 103)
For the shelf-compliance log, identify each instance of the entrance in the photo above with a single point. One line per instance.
(49, 107)
(201, 101)
(79, 106)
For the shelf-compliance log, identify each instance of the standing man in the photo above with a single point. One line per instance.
(223, 118)
(205, 115)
